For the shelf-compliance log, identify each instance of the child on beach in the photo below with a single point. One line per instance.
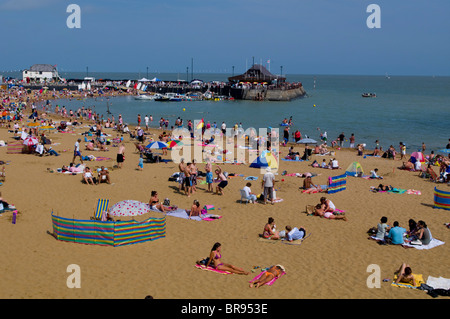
(141, 163)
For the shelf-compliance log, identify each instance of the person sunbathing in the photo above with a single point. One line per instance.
(215, 258)
(269, 230)
(103, 176)
(319, 210)
(195, 210)
(309, 186)
(405, 275)
(90, 146)
(88, 177)
(155, 204)
(267, 276)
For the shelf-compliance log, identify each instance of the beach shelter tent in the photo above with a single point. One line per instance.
(444, 150)
(354, 169)
(266, 159)
(155, 80)
(441, 199)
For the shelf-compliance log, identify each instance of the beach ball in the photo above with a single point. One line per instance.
(314, 105)
(184, 109)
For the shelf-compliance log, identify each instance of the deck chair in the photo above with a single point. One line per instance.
(433, 176)
(102, 206)
(244, 196)
(3, 174)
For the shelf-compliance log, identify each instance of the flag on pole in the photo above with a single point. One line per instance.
(200, 124)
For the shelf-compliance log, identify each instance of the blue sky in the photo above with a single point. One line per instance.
(303, 36)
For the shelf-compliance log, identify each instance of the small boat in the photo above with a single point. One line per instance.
(144, 97)
(369, 95)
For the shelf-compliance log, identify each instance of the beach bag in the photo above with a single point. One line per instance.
(166, 202)
(309, 209)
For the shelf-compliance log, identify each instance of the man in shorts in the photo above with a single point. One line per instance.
(76, 151)
(267, 183)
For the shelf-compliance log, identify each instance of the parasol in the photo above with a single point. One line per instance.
(157, 145)
(174, 143)
(129, 208)
(30, 140)
(307, 141)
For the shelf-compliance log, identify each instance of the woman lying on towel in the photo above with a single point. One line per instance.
(271, 273)
(216, 256)
(319, 210)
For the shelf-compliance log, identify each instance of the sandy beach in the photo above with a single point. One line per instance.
(331, 263)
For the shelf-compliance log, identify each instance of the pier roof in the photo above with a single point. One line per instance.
(257, 73)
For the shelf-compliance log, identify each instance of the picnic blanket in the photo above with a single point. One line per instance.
(209, 268)
(433, 243)
(407, 244)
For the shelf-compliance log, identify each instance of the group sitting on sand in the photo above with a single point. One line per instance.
(418, 233)
(288, 234)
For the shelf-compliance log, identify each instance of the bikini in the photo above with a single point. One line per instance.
(218, 257)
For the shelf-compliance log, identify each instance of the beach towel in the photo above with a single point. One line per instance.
(270, 283)
(297, 242)
(182, 213)
(291, 160)
(417, 277)
(438, 283)
(251, 178)
(209, 268)
(433, 243)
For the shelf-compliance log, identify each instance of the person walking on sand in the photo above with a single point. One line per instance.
(120, 155)
(76, 151)
(267, 184)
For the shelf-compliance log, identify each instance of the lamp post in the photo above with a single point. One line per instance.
(147, 72)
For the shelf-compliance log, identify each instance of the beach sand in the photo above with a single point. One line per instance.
(332, 263)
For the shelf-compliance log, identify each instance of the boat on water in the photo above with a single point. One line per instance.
(369, 95)
(144, 97)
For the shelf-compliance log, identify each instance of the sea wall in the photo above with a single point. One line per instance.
(273, 94)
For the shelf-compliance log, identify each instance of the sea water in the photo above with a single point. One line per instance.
(408, 109)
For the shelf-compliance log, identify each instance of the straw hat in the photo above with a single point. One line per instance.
(281, 266)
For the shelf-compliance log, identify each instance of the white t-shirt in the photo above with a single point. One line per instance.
(334, 164)
(268, 179)
(247, 191)
(77, 146)
(418, 166)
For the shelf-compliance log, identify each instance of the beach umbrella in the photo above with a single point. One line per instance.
(444, 150)
(174, 143)
(47, 127)
(418, 156)
(157, 145)
(129, 208)
(266, 159)
(33, 124)
(30, 140)
(307, 141)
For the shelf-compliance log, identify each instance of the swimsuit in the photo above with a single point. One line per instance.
(218, 257)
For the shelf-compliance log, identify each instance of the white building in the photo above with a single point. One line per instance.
(41, 72)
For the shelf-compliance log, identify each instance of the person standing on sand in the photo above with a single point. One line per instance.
(76, 151)
(120, 155)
